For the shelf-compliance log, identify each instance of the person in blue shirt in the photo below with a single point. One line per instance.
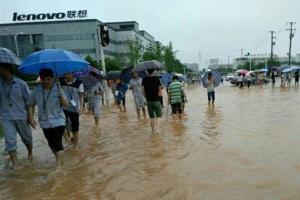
(14, 94)
(121, 95)
(50, 100)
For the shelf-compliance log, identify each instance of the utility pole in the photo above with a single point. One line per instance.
(292, 34)
(272, 44)
(103, 64)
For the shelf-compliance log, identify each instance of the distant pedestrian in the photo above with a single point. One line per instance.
(95, 101)
(261, 79)
(14, 94)
(50, 100)
(297, 78)
(175, 93)
(151, 87)
(249, 78)
(210, 88)
(289, 79)
(135, 85)
(273, 78)
(241, 80)
(121, 95)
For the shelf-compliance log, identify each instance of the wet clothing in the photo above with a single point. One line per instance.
(73, 90)
(139, 99)
(136, 85)
(175, 91)
(50, 112)
(154, 109)
(14, 96)
(176, 108)
(121, 101)
(297, 76)
(151, 86)
(11, 128)
(211, 96)
(95, 99)
(54, 137)
(121, 93)
(210, 85)
(72, 121)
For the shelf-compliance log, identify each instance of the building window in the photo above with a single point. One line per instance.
(68, 37)
(128, 26)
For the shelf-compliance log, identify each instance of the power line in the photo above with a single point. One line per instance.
(292, 34)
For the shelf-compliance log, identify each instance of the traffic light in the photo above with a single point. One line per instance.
(104, 35)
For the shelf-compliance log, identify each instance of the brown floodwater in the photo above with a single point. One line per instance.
(246, 147)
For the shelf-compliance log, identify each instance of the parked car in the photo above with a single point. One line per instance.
(229, 77)
(235, 81)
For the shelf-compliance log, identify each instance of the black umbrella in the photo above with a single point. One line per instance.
(126, 74)
(113, 75)
(150, 64)
(7, 56)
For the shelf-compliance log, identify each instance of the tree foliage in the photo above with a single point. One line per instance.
(136, 50)
(110, 64)
(155, 51)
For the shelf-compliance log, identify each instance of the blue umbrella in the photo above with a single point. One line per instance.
(216, 76)
(287, 70)
(60, 61)
(165, 79)
(283, 67)
(7, 56)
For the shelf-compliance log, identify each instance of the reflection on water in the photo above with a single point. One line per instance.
(245, 147)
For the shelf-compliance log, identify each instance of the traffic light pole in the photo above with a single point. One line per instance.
(103, 67)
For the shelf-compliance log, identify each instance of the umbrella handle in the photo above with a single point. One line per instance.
(60, 90)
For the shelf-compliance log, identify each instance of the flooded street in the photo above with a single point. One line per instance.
(245, 147)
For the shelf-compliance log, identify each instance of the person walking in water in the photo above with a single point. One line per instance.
(151, 87)
(248, 77)
(14, 94)
(273, 78)
(121, 95)
(175, 93)
(50, 100)
(297, 78)
(210, 88)
(135, 85)
(74, 91)
(95, 99)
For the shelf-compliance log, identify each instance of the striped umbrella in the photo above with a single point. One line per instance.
(7, 56)
(89, 77)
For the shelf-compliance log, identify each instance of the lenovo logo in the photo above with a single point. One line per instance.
(72, 14)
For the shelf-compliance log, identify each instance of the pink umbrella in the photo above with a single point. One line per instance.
(242, 71)
(250, 73)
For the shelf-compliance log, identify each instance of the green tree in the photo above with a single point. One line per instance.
(170, 57)
(154, 51)
(135, 50)
(92, 61)
(112, 64)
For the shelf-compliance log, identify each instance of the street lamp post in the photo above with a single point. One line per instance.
(16, 41)
(229, 56)
(15, 38)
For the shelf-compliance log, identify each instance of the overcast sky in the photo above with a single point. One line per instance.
(216, 28)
